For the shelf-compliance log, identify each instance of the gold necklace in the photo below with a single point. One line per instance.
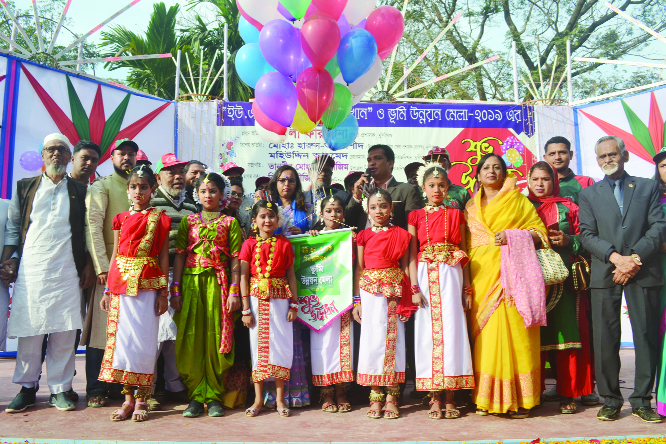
(263, 282)
(378, 228)
(210, 215)
(446, 231)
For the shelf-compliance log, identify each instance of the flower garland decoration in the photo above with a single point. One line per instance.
(420, 177)
(513, 150)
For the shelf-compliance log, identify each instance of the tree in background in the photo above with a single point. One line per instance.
(154, 76)
(540, 29)
(49, 15)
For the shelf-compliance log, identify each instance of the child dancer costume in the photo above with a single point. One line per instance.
(134, 279)
(382, 284)
(441, 344)
(204, 345)
(272, 336)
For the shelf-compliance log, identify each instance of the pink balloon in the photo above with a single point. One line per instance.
(386, 24)
(320, 37)
(315, 91)
(247, 17)
(265, 122)
(312, 10)
(331, 7)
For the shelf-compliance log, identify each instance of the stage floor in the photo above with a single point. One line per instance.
(42, 423)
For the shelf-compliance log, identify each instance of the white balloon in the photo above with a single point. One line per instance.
(357, 10)
(262, 11)
(357, 99)
(269, 136)
(367, 80)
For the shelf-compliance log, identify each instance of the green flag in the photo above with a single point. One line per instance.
(324, 275)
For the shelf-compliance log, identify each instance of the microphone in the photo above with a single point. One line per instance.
(368, 172)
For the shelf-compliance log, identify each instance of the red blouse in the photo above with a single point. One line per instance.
(136, 266)
(283, 257)
(440, 231)
(383, 249)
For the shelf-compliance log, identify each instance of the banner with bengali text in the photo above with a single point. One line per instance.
(466, 131)
(324, 275)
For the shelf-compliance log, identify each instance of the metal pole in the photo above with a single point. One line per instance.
(14, 30)
(226, 54)
(405, 82)
(79, 57)
(516, 96)
(176, 92)
(569, 83)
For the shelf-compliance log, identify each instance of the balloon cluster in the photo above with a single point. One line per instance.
(310, 61)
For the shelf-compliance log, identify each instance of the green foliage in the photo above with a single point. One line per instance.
(155, 76)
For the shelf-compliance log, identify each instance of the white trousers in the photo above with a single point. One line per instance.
(172, 380)
(59, 361)
(271, 339)
(332, 351)
(4, 310)
(381, 357)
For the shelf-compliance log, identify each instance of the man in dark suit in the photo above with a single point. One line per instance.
(622, 225)
(405, 197)
(321, 187)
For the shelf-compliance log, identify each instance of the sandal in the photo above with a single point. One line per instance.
(451, 413)
(121, 414)
(252, 412)
(284, 413)
(568, 406)
(140, 415)
(375, 413)
(326, 407)
(482, 412)
(96, 401)
(343, 407)
(435, 413)
(520, 414)
(391, 414)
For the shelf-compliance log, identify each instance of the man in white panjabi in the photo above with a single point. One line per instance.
(45, 252)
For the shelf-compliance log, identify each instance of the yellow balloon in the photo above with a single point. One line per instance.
(302, 123)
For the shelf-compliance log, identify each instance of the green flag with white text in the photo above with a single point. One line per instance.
(324, 274)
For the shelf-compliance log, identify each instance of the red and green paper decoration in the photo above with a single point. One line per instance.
(644, 140)
(94, 127)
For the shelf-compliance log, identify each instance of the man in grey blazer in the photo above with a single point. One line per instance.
(622, 225)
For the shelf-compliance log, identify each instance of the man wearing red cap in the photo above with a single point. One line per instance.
(170, 197)
(230, 170)
(106, 197)
(458, 194)
(142, 159)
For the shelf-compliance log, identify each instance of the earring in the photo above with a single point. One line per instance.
(424, 194)
(129, 199)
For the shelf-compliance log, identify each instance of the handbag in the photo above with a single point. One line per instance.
(581, 274)
(553, 268)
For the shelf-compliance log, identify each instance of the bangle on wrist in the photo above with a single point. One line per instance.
(246, 312)
(233, 295)
(468, 290)
(357, 304)
(415, 289)
(293, 306)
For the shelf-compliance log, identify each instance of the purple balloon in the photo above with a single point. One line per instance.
(344, 25)
(277, 97)
(31, 161)
(285, 12)
(361, 24)
(303, 64)
(280, 44)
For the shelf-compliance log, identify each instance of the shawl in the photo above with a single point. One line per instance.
(508, 210)
(547, 210)
(522, 279)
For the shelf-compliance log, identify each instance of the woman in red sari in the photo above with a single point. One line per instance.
(136, 295)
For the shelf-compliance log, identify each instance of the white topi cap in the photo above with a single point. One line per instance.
(57, 136)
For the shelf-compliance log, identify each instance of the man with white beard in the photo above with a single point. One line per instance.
(623, 226)
(45, 255)
(171, 198)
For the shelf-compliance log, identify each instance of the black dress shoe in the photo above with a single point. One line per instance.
(646, 414)
(609, 413)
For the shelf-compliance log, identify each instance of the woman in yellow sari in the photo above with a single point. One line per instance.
(506, 354)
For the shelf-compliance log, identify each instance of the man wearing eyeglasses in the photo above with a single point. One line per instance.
(45, 256)
(322, 186)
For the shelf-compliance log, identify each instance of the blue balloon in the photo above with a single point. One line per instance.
(356, 54)
(250, 64)
(342, 135)
(248, 32)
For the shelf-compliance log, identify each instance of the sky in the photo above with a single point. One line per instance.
(86, 14)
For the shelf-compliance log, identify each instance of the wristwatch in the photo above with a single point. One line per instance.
(636, 258)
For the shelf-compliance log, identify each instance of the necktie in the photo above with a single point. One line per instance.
(619, 197)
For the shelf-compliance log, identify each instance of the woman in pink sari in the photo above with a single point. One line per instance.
(508, 304)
